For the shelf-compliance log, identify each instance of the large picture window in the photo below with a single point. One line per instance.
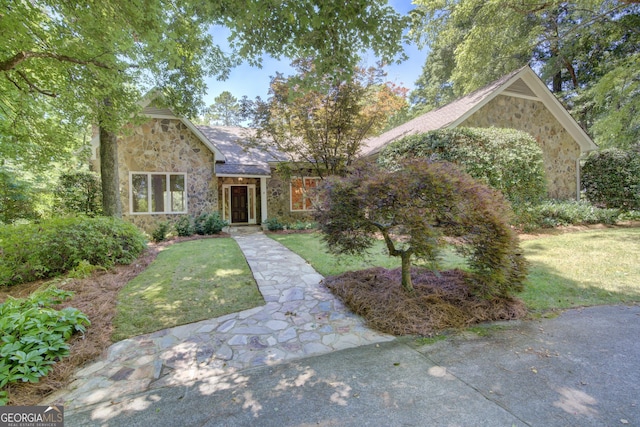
(302, 193)
(152, 192)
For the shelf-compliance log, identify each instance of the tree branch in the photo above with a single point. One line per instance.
(36, 88)
(19, 57)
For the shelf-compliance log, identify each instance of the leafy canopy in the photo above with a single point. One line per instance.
(582, 49)
(59, 61)
(323, 118)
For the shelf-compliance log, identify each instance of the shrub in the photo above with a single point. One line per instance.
(16, 198)
(34, 335)
(554, 213)
(302, 225)
(36, 251)
(417, 208)
(274, 224)
(159, 234)
(210, 223)
(184, 226)
(611, 178)
(79, 193)
(507, 160)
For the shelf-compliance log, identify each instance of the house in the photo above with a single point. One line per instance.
(169, 167)
(521, 101)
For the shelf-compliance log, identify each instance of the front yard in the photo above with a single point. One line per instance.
(582, 268)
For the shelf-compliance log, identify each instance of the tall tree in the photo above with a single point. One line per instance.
(322, 119)
(91, 62)
(474, 42)
(225, 111)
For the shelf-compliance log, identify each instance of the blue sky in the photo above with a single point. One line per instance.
(253, 81)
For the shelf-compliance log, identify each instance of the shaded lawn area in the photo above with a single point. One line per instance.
(583, 268)
(188, 282)
(575, 269)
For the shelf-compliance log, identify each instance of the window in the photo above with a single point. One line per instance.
(302, 196)
(158, 192)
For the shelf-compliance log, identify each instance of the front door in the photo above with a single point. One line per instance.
(239, 210)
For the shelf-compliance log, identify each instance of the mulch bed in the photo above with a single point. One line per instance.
(96, 296)
(441, 301)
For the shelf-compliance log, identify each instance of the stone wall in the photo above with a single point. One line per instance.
(559, 149)
(163, 145)
(279, 199)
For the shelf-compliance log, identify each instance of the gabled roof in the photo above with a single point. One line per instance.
(240, 158)
(523, 83)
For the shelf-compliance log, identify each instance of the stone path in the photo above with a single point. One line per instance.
(300, 318)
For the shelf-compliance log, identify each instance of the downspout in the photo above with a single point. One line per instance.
(578, 182)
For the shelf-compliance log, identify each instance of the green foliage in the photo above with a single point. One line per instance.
(159, 234)
(554, 213)
(415, 206)
(302, 225)
(34, 335)
(79, 193)
(83, 270)
(323, 120)
(611, 178)
(211, 223)
(508, 160)
(586, 51)
(274, 224)
(225, 111)
(184, 226)
(16, 198)
(53, 247)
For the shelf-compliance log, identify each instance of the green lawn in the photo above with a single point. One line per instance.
(310, 247)
(568, 270)
(187, 282)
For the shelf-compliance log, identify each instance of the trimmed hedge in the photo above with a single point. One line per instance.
(508, 160)
(36, 251)
(611, 178)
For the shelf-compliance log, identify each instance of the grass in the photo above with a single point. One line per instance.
(311, 247)
(582, 268)
(188, 282)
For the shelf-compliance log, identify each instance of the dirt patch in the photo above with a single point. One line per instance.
(441, 301)
(96, 296)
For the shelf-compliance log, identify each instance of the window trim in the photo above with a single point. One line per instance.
(304, 197)
(167, 192)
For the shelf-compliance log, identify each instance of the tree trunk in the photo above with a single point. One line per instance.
(111, 203)
(407, 284)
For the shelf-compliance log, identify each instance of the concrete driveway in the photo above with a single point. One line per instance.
(581, 368)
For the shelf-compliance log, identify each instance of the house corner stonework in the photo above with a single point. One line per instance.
(560, 151)
(167, 145)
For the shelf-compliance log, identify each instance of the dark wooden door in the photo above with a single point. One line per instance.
(239, 211)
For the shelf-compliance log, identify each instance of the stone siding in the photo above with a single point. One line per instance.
(163, 145)
(279, 199)
(560, 151)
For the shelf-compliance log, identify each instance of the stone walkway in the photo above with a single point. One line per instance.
(300, 318)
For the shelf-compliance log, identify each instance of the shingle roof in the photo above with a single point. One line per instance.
(240, 157)
(436, 119)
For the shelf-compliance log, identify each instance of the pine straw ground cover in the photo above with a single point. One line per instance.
(441, 301)
(95, 296)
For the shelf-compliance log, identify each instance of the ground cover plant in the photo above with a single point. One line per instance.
(35, 335)
(583, 267)
(190, 281)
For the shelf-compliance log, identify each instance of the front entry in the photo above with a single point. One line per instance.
(239, 205)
